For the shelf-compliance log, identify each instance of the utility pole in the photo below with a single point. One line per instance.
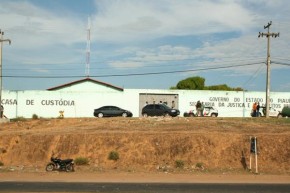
(2, 40)
(268, 35)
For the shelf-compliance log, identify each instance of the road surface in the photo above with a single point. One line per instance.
(142, 187)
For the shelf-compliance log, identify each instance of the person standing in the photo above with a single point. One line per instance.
(254, 109)
(198, 107)
(1, 111)
(258, 110)
(201, 109)
(172, 104)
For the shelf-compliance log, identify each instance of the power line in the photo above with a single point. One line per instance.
(282, 58)
(138, 74)
(145, 66)
(280, 63)
(254, 76)
(153, 60)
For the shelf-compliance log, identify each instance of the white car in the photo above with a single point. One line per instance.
(207, 112)
(262, 112)
(210, 112)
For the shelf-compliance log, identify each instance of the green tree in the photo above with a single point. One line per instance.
(197, 83)
(218, 87)
(192, 83)
(222, 87)
(172, 87)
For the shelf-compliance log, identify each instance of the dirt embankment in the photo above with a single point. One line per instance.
(150, 144)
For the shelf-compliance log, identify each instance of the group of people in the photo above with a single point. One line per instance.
(199, 108)
(256, 109)
(160, 102)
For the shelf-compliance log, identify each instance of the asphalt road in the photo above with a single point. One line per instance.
(142, 187)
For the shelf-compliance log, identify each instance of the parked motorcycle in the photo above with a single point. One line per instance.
(60, 165)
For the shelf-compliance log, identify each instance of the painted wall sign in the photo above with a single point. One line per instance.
(82, 103)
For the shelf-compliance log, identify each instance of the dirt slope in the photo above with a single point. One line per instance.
(149, 144)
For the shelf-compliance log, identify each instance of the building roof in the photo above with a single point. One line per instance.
(85, 80)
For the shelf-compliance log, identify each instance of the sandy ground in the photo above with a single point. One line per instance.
(144, 177)
(148, 149)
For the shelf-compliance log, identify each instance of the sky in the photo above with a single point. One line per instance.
(144, 44)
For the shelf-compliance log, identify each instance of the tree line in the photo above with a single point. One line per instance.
(198, 83)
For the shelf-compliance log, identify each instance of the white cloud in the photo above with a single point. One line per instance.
(30, 26)
(130, 20)
(153, 57)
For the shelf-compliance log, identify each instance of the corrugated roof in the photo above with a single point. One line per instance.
(85, 80)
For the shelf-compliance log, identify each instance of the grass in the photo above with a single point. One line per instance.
(18, 119)
(179, 164)
(113, 155)
(81, 161)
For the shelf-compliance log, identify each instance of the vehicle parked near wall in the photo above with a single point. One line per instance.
(207, 112)
(285, 112)
(262, 112)
(159, 110)
(112, 111)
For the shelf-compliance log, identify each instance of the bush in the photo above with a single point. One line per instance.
(34, 116)
(113, 155)
(81, 161)
(199, 165)
(18, 119)
(179, 163)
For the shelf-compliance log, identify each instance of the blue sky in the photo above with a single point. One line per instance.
(144, 44)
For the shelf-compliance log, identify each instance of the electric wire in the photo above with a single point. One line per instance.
(137, 74)
(253, 77)
(278, 58)
(280, 63)
(147, 66)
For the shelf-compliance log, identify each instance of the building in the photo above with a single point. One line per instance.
(81, 97)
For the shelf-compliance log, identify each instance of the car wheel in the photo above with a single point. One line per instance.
(124, 115)
(100, 115)
(166, 115)
(145, 115)
(279, 116)
(213, 115)
(191, 115)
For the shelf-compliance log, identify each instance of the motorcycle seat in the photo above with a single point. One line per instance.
(67, 160)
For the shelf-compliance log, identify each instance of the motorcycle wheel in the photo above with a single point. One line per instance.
(70, 168)
(50, 167)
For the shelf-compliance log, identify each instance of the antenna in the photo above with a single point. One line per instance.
(88, 51)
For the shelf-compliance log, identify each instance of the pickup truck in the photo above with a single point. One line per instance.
(207, 112)
(262, 113)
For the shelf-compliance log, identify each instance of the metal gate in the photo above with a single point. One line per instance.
(171, 100)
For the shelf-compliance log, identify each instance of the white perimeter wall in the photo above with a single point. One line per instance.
(82, 103)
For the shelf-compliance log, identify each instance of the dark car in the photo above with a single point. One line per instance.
(111, 111)
(159, 110)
